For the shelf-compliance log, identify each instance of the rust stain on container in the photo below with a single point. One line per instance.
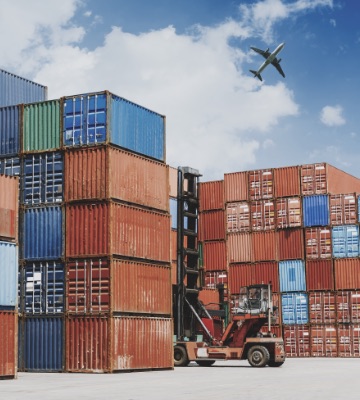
(262, 215)
(211, 195)
(239, 247)
(343, 209)
(323, 341)
(9, 207)
(288, 212)
(261, 184)
(263, 245)
(210, 298)
(297, 340)
(8, 344)
(212, 225)
(214, 256)
(319, 275)
(318, 243)
(236, 186)
(287, 181)
(347, 273)
(322, 308)
(238, 217)
(290, 244)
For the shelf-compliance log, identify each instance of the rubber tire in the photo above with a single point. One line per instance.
(275, 364)
(205, 363)
(180, 357)
(258, 356)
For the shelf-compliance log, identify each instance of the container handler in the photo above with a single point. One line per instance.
(195, 333)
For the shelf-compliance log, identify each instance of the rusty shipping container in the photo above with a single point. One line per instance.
(319, 275)
(287, 181)
(343, 209)
(288, 212)
(8, 344)
(343, 306)
(238, 217)
(262, 215)
(318, 243)
(9, 207)
(212, 225)
(297, 340)
(322, 308)
(323, 341)
(100, 286)
(263, 246)
(347, 273)
(105, 228)
(106, 172)
(236, 186)
(348, 340)
(290, 244)
(261, 184)
(239, 247)
(211, 195)
(214, 254)
(95, 344)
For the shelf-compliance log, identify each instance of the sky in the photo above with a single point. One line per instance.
(189, 60)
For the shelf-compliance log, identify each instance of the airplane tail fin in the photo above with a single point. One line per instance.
(256, 74)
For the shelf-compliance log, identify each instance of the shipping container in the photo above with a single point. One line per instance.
(214, 278)
(287, 181)
(9, 207)
(290, 243)
(318, 243)
(355, 306)
(43, 177)
(41, 129)
(17, 90)
(95, 344)
(261, 184)
(111, 173)
(322, 178)
(10, 131)
(8, 275)
(42, 233)
(319, 275)
(345, 340)
(210, 298)
(173, 182)
(263, 246)
(294, 308)
(102, 117)
(173, 212)
(275, 330)
(343, 306)
(315, 210)
(212, 225)
(297, 340)
(322, 307)
(239, 247)
(105, 228)
(262, 215)
(211, 195)
(343, 209)
(10, 166)
(43, 344)
(214, 255)
(238, 217)
(42, 288)
(240, 275)
(8, 344)
(323, 341)
(236, 186)
(100, 286)
(292, 276)
(345, 241)
(288, 212)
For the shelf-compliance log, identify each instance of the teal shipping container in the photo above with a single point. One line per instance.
(292, 276)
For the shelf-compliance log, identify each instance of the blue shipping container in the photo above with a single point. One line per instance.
(43, 178)
(316, 210)
(294, 308)
(43, 287)
(43, 344)
(17, 90)
(105, 118)
(345, 241)
(9, 265)
(42, 233)
(10, 166)
(9, 131)
(292, 276)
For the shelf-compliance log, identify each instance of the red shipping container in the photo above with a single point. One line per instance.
(211, 195)
(322, 308)
(265, 272)
(356, 340)
(319, 275)
(288, 212)
(343, 209)
(275, 330)
(323, 341)
(297, 340)
(214, 278)
(239, 247)
(287, 181)
(262, 215)
(290, 244)
(210, 298)
(236, 186)
(343, 306)
(173, 272)
(214, 254)
(110, 228)
(109, 173)
(8, 344)
(355, 306)
(318, 243)
(212, 225)
(261, 184)
(263, 245)
(239, 275)
(238, 217)
(173, 242)
(347, 273)
(9, 207)
(345, 340)
(115, 285)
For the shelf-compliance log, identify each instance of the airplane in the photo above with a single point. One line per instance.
(270, 59)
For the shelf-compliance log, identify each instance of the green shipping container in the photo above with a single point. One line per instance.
(41, 126)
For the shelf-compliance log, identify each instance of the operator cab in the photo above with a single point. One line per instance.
(253, 300)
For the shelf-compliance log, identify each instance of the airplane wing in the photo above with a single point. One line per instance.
(276, 64)
(265, 54)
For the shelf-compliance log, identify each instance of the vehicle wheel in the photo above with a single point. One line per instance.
(275, 364)
(180, 357)
(205, 363)
(258, 356)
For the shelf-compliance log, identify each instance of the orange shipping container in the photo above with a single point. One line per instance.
(347, 273)
(263, 246)
(211, 195)
(288, 212)
(318, 243)
(262, 215)
(238, 217)
(290, 244)
(343, 209)
(214, 254)
(297, 340)
(236, 186)
(9, 207)
(323, 341)
(212, 225)
(8, 344)
(111, 173)
(287, 181)
(319, 275)
(261, 184)
(239, 247)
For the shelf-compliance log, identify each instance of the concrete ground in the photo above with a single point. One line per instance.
(298, 378)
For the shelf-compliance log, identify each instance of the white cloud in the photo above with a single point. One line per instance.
(332, 116)
(333, 22)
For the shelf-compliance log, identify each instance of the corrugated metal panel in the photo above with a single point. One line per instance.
(265, 272)
(316, 210)
(322, 308)
(239, 275)
(43, 287)
(238, 217)
(292, 276)
(41, 126)
(290, 244)
(210, 298)
(294, 308)
(43, 233)
(262, 215)
(8, 344)
(10, 166)
(347, 273)
(214, 256)
(43, 344)
(323, 341)
(348, 340)
(239, 247)
(8, 274)
(288, 212)
(297, 341)
(341, 182)
(236, 186)
(263, 246)
(43, 176)
(212, 225)
(211, 195)
(319, 275)
(261, 184)
(287, 181)
(343, 306)
(345, 241)
(9, 130)
(9, 200)
(173, 243)
(318, 243)
(343, 209)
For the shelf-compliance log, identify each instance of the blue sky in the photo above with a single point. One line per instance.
(190, 60)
